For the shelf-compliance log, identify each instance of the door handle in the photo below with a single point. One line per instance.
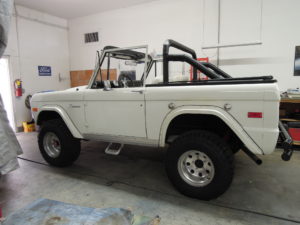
(138, 91)
(74, 106)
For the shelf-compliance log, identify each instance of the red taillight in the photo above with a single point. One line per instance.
(255, 115)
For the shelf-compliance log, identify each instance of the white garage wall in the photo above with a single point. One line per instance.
(150, 23)
(43, 40)
(185, 21)
(279, 35)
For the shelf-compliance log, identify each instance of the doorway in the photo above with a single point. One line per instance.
(6, 90)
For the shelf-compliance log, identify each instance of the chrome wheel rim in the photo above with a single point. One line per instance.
(52, 145)
(196, 168)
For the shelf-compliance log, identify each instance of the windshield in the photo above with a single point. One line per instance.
(123, 67)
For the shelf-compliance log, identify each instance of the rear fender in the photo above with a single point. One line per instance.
(209, 110)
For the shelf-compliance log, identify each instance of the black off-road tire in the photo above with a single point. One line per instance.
(70, 146)
(220, 155)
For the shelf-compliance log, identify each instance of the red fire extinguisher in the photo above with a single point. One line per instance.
(18, 87)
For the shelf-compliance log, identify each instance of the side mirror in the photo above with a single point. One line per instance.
(130, 63)
(107, 86)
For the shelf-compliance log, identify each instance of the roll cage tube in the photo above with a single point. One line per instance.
(207, 68)
(196, 64)
(216, 69)
(171, 43)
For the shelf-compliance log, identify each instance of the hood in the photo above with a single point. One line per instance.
(70, 94)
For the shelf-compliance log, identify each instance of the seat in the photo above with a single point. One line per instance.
(157, 80)
(179, 78)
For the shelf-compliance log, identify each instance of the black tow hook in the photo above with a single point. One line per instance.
(287, 154)
(288, 150)
(252, 156)
(287, 144)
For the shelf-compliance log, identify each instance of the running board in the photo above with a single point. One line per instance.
(114, 148)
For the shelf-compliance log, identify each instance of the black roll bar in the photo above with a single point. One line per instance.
(196, 64)
(216, 69)
(171, 43)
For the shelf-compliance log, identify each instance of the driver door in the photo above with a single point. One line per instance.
(116, 113)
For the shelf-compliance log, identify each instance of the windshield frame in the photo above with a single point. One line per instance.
(104, 53)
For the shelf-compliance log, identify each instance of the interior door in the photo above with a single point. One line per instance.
(117, 112)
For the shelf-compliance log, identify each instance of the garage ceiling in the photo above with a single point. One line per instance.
(76, 8)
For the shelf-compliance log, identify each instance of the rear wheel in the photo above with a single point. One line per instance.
(57, 145)
(200, 165)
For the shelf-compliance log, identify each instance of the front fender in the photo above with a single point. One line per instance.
(209, 110)
(65, 117)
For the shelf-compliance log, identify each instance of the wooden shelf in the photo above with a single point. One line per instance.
(290, 100)
(289, 120)
(296, 143)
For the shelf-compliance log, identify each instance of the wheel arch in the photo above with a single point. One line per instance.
(56, 112)
(220, 115)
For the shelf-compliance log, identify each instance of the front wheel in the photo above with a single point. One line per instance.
(57, 145)
(200, 165)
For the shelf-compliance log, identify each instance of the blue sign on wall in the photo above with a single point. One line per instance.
(44, 70)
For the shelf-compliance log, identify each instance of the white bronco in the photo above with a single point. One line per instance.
(132, 100)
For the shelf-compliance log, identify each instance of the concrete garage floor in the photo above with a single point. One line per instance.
(136, 179)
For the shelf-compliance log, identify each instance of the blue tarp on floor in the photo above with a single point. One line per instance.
(49, 212)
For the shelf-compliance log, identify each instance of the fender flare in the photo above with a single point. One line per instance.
(209, 110)
(65, 117)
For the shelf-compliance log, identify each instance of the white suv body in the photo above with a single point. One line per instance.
(153, 111)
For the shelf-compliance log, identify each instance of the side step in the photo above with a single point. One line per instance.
(114, 148)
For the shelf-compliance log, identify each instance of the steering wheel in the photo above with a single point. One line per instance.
(123, 78)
